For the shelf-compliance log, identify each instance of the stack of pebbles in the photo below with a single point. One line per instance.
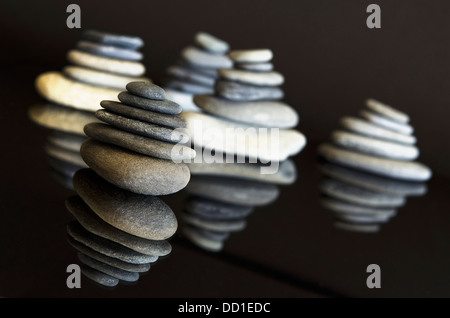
(196, 73)
(369, 168)
(245, 137)
(122, 225)
(101, 65)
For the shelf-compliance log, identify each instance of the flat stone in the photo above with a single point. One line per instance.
(134, 172)
(361, 219)
(234, 191)
(366, 128)
(358, 195)
(110, 51)
(284, 173)
(387, 111)
(106, 247)
(253, 78)
(255, 67)
(228, 225)
(403, 170)
(143, 145)
(108, 269)
(351, 208)
(244, 92)
(99, 277)
(211, 43)
(121, 40)
(94, 224)
(98, 78)
(373, 146)
(168, 120)
(373, 182)
(64, 119)
(251, 56)
(164, 106)
(142, 128)
(146, 90)
(190, 75)
(65, 140)
(106, 64)
(191, 88)
(210, 72)
(225, 136)
(57, 88)
(385, 122)
(63, 154)
(205, 59)
(138, 268)
(274, 114)
(216, 210)
(205, 242)
(144, 216)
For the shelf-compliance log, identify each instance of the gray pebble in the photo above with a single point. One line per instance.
(146, 90)
(243, 92)
(108, 269)
(107, 247)
(255, 67)
(91, 222)
(227, 225)
(190, 75)
(358, 195)
(109, 51)
(143, 145)
(142, 128)
(359, 228)
(374, 146)
(187, 87)
(216, 210)
(196, 236)
(404, 170)
(251, 56)
(204, 59)
(164, 106)
(99, 277)
(387, 111)
(144, 216)
(252, 78)
(132, 42)
(385, 122)
(168, 120)
(233, 191)
(211, 43)
(138, 268)
(274, 114)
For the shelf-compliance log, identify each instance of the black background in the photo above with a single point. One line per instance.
(331, 62)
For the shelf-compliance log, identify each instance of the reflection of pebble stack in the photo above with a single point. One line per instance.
(101, 66)
(223, 194)
(121, 224)
(370, 168)
(197, 71)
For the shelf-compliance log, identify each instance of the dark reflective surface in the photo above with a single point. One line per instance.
(289, 247)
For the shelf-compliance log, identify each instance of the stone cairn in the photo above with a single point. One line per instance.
(121, 225)
(369, 168)
(196, 72)
(100, 67)
(228, 177)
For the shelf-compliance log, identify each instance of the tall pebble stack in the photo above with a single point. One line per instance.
(370, 168)
(100, 67)
(196, 71)
(223, 193)
(122, 225)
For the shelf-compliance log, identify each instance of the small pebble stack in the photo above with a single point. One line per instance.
(196, 72)
(223, 193)
(101, 66)
(369, 168)
(122, 226)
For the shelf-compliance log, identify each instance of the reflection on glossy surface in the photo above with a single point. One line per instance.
(238, 168)
(369, 170)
